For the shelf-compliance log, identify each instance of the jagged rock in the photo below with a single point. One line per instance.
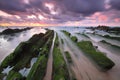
(11, 31)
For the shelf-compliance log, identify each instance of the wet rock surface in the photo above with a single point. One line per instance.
(11, 31)
(20, 58)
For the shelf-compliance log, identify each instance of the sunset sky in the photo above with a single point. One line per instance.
(59, 12)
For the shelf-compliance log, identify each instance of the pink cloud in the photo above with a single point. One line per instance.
(102, 18)
(117, 19)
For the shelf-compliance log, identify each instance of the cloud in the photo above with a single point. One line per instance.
(85, 7)
(117, 19)
(62, 10)
(106, 17)
(13, 6)
(1, 18)
(115, 4)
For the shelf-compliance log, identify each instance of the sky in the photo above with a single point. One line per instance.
(59, 12)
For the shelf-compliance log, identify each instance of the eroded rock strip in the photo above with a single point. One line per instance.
(60, 71)
(62, 45)
(39, 68)
(48, 75)
(82, 65)
(37, 46)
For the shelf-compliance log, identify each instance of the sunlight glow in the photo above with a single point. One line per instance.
(4, 14)
(25, 24)
(31, 16)
(54, 12)
(41, 17)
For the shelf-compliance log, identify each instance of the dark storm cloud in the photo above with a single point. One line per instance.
(19, 6)
(76, 10)
(115, 4)
(67, 17)
(68, 10)
(12, 6)
(85, 7)
(39, 5)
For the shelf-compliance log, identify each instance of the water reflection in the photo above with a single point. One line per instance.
(6, 70)
(25, 71)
